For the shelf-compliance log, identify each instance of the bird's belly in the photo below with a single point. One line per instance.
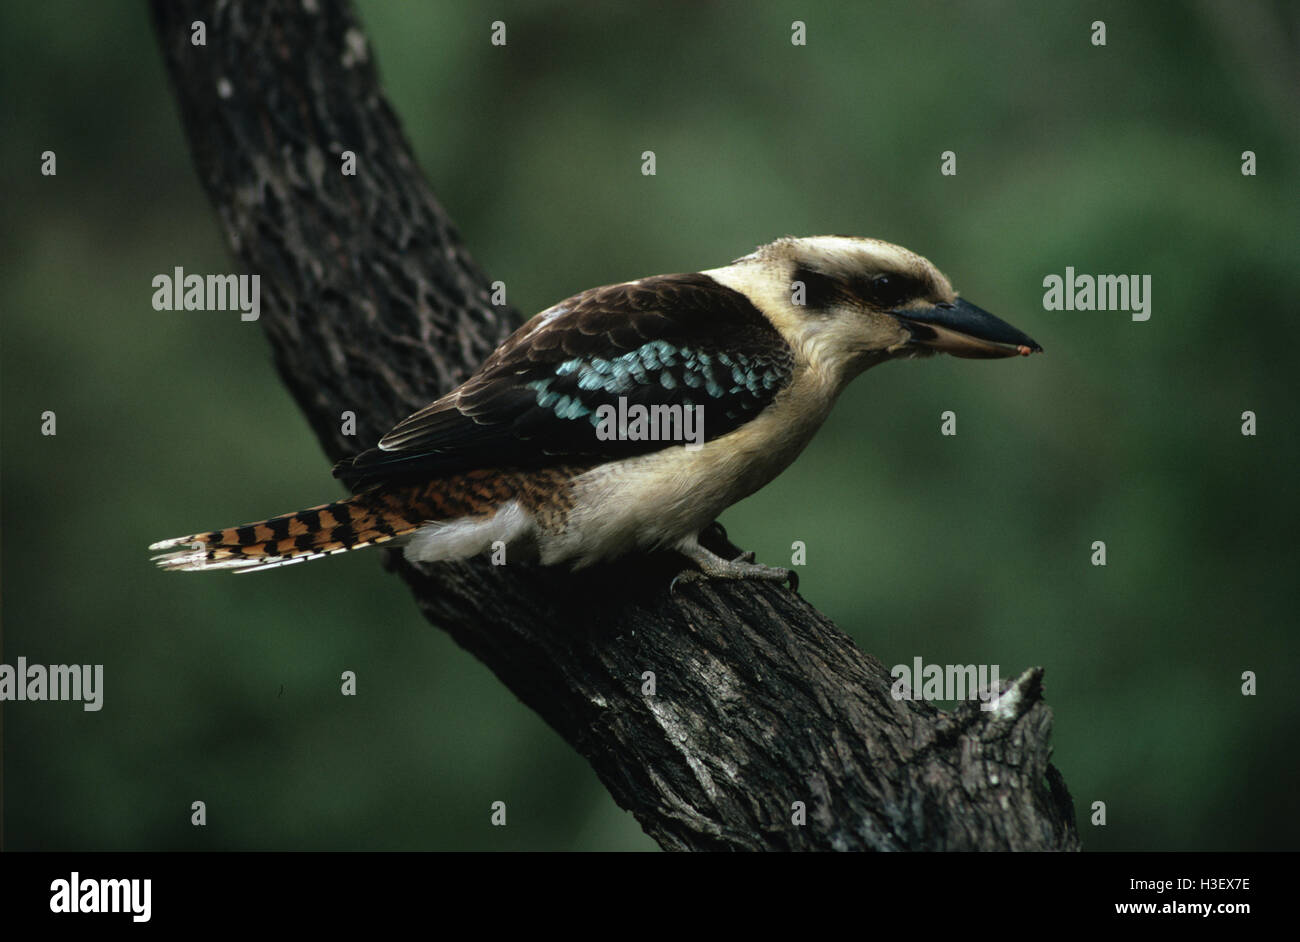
(658, 500)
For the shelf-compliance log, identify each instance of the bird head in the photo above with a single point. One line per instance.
(849, 303)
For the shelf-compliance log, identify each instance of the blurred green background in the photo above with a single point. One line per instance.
(973, 549)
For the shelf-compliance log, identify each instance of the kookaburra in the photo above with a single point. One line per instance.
(626, 418)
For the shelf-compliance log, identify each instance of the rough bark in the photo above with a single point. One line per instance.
(372, 304)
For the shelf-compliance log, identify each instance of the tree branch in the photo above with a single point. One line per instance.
(372, 304)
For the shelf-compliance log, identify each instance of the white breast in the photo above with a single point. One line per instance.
(657, 500)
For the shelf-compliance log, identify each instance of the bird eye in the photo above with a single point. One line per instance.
(888, 290)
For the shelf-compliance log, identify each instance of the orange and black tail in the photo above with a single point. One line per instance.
(379, 515)
(372, 517)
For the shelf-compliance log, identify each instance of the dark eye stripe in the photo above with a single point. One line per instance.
(886, 291)
(820, 291)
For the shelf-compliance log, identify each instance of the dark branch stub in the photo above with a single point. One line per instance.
(372, 304)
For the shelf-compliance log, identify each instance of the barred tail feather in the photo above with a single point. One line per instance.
(379, 515)
(372, 517)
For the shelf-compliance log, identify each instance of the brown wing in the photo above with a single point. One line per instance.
(671, 340)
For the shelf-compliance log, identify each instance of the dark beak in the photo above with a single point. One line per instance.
(964, 330)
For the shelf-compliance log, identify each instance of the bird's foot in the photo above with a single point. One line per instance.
(712, 566)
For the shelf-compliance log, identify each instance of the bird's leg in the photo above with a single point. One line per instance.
(715, 531)
(713, 566)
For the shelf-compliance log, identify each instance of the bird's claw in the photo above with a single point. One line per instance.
(742, 567)
(686, 575)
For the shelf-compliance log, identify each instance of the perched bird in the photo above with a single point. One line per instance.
(627, 417)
